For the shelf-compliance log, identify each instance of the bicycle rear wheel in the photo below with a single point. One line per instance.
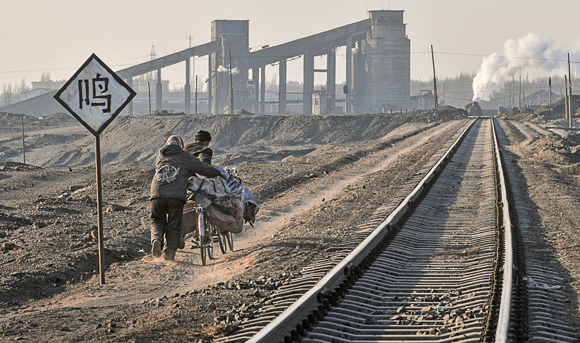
(222, 240)
(230, 238)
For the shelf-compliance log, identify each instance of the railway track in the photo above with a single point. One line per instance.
(429, 268)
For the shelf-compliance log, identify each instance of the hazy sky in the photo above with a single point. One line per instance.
(57, 36)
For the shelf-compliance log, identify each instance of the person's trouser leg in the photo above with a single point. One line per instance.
(174, 215)
(158, 219)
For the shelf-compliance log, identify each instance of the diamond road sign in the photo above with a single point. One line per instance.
(95, 95)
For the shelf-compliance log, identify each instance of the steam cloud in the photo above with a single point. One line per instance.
(222, 69)
(529, 52)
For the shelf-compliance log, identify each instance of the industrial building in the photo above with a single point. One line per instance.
(377, 69)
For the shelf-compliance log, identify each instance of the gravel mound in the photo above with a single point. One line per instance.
(235, 138)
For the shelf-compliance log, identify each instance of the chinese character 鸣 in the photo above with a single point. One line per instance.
(100, 87)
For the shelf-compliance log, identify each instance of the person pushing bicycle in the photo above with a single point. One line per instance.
(173, 167)
(200, 147)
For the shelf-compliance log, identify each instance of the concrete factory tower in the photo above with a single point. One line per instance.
(234, 37)
(387, 63)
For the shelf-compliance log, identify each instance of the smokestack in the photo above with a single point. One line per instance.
(529, 52)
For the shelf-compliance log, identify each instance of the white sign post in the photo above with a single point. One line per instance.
(95, 95)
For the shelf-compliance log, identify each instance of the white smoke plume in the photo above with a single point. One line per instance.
(222, 69)
(529, 52)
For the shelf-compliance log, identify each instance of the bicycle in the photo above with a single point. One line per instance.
(196, 209)
(207, 232)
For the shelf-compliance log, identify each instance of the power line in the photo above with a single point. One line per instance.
(510, 57)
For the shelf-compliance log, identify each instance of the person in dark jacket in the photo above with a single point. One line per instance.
(173, 168)
(200, 148)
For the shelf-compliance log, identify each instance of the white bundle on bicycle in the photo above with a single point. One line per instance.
(249, 205)
(223, 203)
(215, 188)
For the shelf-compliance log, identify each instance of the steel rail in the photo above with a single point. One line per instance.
(506, 293)
(282, 325)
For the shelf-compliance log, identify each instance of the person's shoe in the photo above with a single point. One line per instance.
(169, 255)
(156, 249)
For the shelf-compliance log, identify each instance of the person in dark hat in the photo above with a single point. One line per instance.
(173, 167)
(200, 147)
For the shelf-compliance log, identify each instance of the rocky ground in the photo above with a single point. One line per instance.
(315, 178)
(546, 166)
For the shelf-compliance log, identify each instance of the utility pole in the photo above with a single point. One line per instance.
(520, 92)
(153, 56)
(23, 148)
(550, 91)
(549, 95)
(195, 94)
(190, 37)
(187, 88)
(512, 94)
(513, 103)
(434, 78)
(149, 90)
(566, 97)
(231, 85)
(569, 93)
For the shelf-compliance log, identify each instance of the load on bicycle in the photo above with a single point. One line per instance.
(189, 195)
(217, 209)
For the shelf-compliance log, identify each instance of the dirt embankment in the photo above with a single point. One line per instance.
(552, 114)
(545, 171)
(235, 138)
